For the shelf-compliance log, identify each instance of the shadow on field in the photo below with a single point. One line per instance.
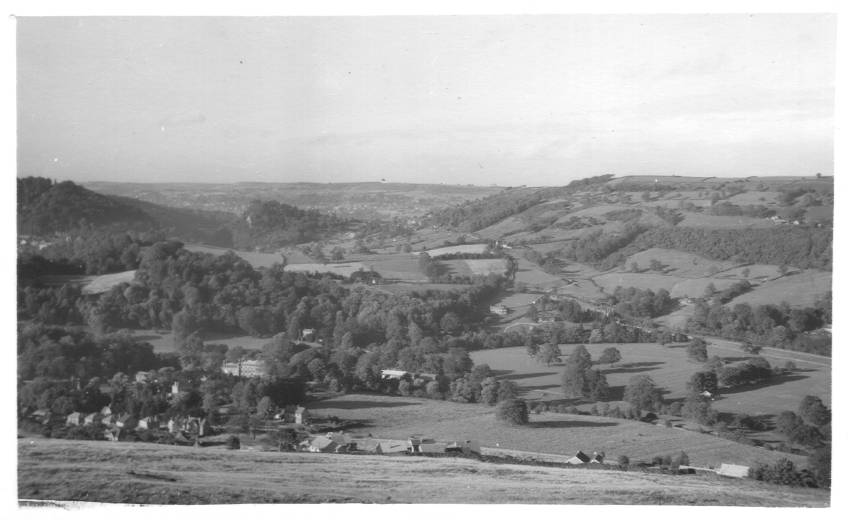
(570, 424)
(629, 368)
(147, 337)
(540, 387)
(514, 377)
(775, 380)
(354, 405)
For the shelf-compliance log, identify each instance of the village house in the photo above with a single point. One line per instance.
(302, 416)
(92, 418)
(394, 374)
(125, 421)
(246, 368)
(148, 423)
(499, 309)
(308, 335)
(74, 419)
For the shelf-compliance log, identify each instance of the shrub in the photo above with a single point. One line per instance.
(513, 411)
(623, 462)
(233, 443)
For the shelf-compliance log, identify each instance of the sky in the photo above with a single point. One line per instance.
(507, 100)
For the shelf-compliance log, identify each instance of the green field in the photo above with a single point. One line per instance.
(156, 474)
(389, 417)
(669, 368)
(163, 341)
(799, 289)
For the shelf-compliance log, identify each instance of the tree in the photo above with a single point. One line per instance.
(507, 390)
(550, 353)
(750, 348)
(813, 411)
(513, 411)
(697, 350)
(573, 379)
(820, 464)
(699, 409)
(642, 393)
(610, 356)
(703, 382)
(337, 254)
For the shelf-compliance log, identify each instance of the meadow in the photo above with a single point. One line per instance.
(391, 417)
(157, 474)
(670, 368)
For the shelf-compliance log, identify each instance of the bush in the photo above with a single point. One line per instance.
(513, 411)
(623, 462)
(233, 443)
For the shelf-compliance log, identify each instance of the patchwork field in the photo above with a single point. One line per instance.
(669, 367)
(563, 434)
(678, 263)
(103, 283)
(475, 267)
(163, 341)
(254, 258)
(462, 249)
(798, 290)
(343, 269)
(720, 222)
(156, 474)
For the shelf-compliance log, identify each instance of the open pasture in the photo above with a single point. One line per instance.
(105, 282)
(678, 263)
(670, 368)
(799, 289)
(699, 220)
(164, 341)
(562, 434)
(402, 267)
(475, 267)
(459, 249)
(157, 474)
(256, 259)
(343, 269)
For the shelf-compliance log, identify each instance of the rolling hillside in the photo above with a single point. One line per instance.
(157, 474)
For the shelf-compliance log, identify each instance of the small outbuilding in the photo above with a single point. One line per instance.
(733, 470)
(579, 458)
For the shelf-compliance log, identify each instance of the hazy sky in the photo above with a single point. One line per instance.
(508, 100)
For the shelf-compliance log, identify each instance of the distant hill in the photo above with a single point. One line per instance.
(353, 200)
(45, 207)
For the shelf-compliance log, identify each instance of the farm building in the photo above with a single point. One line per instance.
(598, 458)
(320, 445)
(465, 447)
(579, 458)
(733, 470)
(390, 446)
(368, 445)
(92, 418)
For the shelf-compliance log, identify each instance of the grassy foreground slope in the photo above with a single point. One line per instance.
(145, 473)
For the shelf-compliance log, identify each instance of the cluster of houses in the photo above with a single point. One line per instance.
(116, 424)
(415, 445)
